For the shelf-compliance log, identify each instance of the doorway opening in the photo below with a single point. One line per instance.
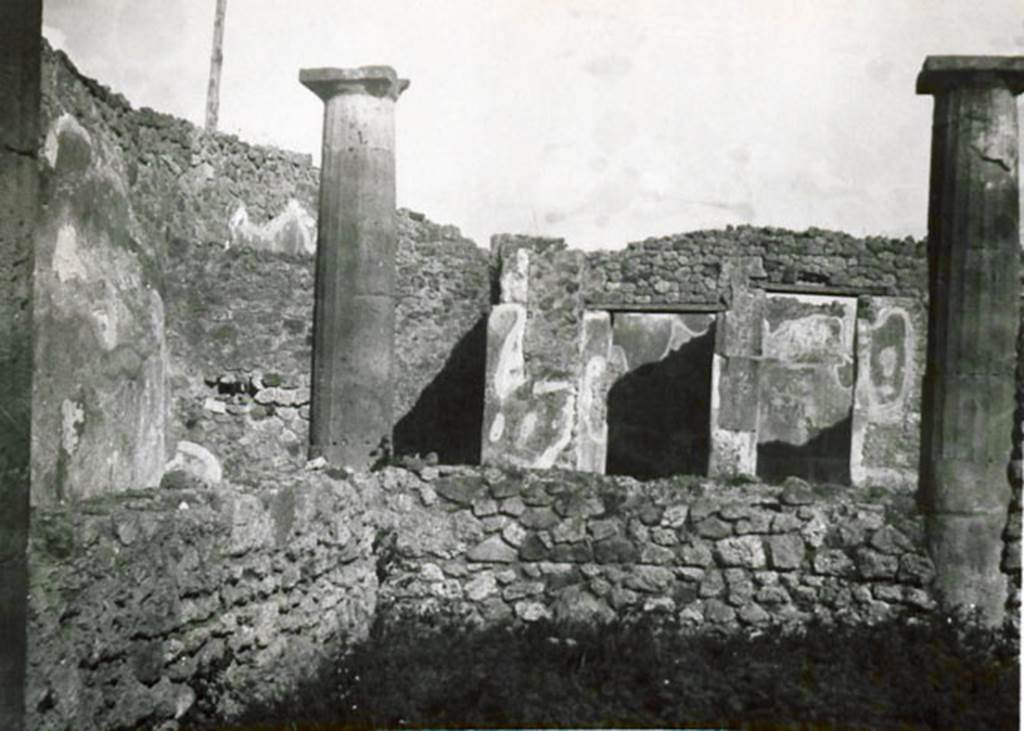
(659, 408)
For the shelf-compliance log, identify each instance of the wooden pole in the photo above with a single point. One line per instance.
(216, 61)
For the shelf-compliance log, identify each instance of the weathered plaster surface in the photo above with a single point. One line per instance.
(887, 409)
(100, 393)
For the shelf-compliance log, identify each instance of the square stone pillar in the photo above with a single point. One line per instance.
(735, 385)
(357, 238)
(20, 56)
(974, 286)
(534, 342)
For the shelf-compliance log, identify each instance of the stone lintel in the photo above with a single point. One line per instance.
(380, 81)
(943, 73)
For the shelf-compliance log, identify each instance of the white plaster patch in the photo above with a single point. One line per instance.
(544, 387)
(497, 428)
(196, 460)
(515, 279)
(72, 414)
(527, 427)
(271, 235)
(65, 123)
(564, 423)
(510, 370)
(66, 262)
(733, 453)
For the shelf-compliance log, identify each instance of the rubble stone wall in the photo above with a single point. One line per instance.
(693, 267)
(240, 328)
(192, 602)
(217, 242)
(187, 603)
(521, 546)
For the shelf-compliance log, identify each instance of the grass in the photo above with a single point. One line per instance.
(940, 673)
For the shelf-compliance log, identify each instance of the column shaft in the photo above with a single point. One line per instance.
(354, 310)
(20, 49)
(974, 252)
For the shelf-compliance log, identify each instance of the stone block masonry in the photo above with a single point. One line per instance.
(501, 546)
(186, 603)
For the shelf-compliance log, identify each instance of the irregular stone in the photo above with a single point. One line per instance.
(718, 612)
(574, 504)
(533, 548)
(572, 553)
(660, 605)
(796, 492)
(654, 554)
(785, 523)
(675, 516)
(889, 540)
(785, 551)
(772, 595)
(757, 522)
(713, 528)
(754, 615)
(832, 562)
(649, 513)
(875, 565)
(531, 611)
(713, 584)
(616, 549)
(621, 597)
(514, 534)
(461, 490)
(492, 549)
(522, 589)
(512, 506)
(745, 551)
(572, 530)
(695, 554)
(601, 529)
(484, 506)
(649, 579)
(539, 518)
(574, 605)
(664, 536)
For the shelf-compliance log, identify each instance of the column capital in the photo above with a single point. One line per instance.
(378, 81)
(944, 73)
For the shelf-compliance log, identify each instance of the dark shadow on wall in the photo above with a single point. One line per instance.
(659, 415)
(825, 458)
(448, 416)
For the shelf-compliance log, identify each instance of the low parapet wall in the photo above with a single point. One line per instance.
(192, 602)
(569, 546)
(157, 605)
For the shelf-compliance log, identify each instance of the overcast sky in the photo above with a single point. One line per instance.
(603, 121)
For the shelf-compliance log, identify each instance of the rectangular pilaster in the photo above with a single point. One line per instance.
(886, 428)
(735, 391)
(533, 355)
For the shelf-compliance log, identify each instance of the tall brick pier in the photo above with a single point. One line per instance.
(354, 311)
(974, 287)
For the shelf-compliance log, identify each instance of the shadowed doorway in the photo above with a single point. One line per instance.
(659, 409)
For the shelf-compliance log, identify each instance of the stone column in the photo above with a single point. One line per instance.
(20, 51)
(974, 254)
(354, 310)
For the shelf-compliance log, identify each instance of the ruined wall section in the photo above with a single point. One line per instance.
(691, 268)
(240, 328)
(199, 186)
(191, 604)
(224, 232)
(521, 546)
(99, 400)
